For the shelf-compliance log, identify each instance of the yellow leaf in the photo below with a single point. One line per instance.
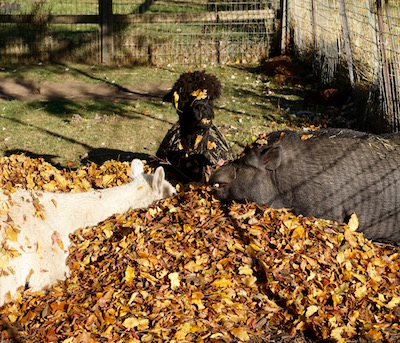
(107, 179)
(193, 266)
(130, 323)
(311, 310)
(5, 206)
(198, 140)
(4, 261)
(211, 145)
(353, 222)
(376, 335)
(49, 187)
(108, 229)
(12, 234)
(60, 243)
(305, 137)
(200, 94)
(250, 281)
(176, 99)
(222, 283)
(337, 334)
(350, 237)
(129, 274)
(245, 270)
(180, 146)
(5, 174)
(254, 247)
(298, 232)
(361, 292)
(340, 257)
(198, 303)
(391, 305)
(174, 278)
(184, 329)
(38, 248)
(240, 333)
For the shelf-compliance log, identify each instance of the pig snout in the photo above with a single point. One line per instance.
(220, 182)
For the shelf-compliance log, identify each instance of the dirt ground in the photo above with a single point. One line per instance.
(32, 90)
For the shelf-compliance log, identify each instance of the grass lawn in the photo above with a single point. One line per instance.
(44, 113)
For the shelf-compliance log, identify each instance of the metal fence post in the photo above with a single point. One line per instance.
(106, 30)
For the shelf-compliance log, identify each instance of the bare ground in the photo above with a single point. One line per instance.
(32, 90)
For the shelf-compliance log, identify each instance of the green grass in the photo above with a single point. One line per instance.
(47, 128)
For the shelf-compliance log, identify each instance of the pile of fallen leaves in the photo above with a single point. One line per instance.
(36, 174)
(188, 270)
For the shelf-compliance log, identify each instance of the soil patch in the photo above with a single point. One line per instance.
(32, 90)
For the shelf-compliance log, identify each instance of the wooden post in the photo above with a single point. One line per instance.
(385, 67)
(106, 30)
(314, 27)
(347, 42)
(284, 27)
(393, 70)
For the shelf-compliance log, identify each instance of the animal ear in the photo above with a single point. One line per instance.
(271, 157)
(136, 168)
(168, 97)
(159, 177)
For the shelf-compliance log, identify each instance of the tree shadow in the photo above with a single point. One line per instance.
(96, 155)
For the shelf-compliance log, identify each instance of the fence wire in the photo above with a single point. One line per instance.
(361, 36)
(159, 32)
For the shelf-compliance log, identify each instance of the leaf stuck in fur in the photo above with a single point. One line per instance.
(176, 99)
(198, 140)
(200, 94)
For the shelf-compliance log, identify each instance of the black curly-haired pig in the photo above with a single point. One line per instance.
(329, 173)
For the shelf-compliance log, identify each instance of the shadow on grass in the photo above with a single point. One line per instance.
(96, 155)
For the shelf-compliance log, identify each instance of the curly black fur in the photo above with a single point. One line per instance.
(190, 82)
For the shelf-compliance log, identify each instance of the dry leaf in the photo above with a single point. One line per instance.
(129, 274)
(175, 282)
(353, 222)
(200, 94)
(176, 99)
(4, 261)
(198, 140)
(305, 137)
(240, 333)
(211, 145)
(12, 234)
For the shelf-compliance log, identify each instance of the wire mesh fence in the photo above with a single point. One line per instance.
(158, 32)
(360, 37)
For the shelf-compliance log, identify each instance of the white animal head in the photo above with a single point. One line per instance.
(161, 187)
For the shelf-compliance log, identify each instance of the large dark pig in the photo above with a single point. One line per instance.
(329, 173)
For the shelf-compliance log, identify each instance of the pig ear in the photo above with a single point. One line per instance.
(159, 177)
(271, 157)
(136, 168)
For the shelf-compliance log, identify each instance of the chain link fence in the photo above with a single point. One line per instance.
(149, 31)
